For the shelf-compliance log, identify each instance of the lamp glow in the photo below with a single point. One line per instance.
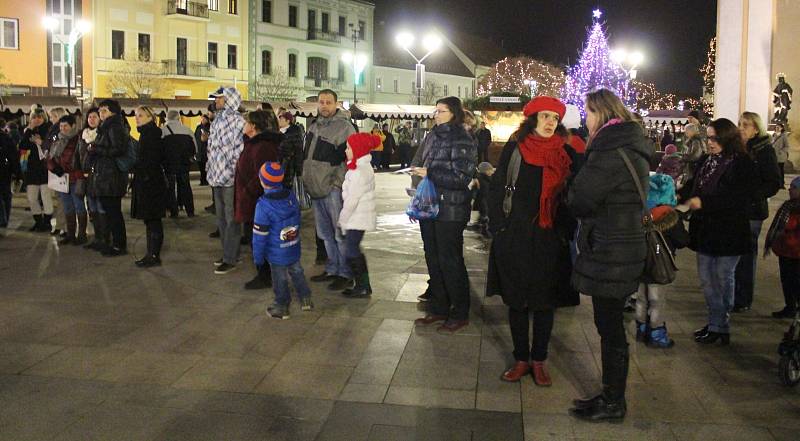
(50, 23)
(432, 42)
(405, 40)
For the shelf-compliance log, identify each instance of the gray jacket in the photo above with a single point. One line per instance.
(324, 147)
(781, 146)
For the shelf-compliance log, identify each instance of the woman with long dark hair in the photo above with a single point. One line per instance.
(529, 263)
(719, 196)
(149, 199)
(87, 157)
(610, 241)
(449, 163)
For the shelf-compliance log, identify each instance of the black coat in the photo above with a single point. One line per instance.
(202, 146)
(113, 138)
(603, 196)
(529, 266)
(36, 169)
(149, 199)
(291, 153)
(768, 176)
(722, 227)
(389, 146)
(450, 159)
(178, 152)
(9, 160)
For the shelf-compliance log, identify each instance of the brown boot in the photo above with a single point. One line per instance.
(80, 237)
(540, 375)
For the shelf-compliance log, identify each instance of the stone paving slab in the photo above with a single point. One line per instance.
(177, 352)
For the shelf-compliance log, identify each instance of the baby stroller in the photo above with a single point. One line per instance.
(789, 349)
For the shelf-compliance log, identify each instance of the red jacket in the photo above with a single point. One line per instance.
(66, 161)
(787, 244)
(257, 150)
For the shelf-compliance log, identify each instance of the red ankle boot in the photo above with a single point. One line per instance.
(540, 375)
(514, 373)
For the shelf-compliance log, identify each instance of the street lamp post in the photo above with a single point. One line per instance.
(633, 59)
(431, 43)
(358, 62)
(80, 28)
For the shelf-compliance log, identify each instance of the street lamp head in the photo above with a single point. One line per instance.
(361, 61)
(636, 58)
(404, 40)
(83, 26)
(50, 23)
(432, 42)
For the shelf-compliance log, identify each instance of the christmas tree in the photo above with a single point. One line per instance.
(709, 71)
(595, 69)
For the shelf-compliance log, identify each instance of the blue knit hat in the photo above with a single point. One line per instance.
(662, 191)
(271, 174)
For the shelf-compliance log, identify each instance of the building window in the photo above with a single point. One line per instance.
(317, 68)
(144, 47)
(266, 11)
(395, 86)
(58, 65)
(292, 16)
(459, 91)
(9, 38)
(292, 65)
(342, 26)
(378, 83)
(117, 45)
(213, 5)
(231, 56)
(326, 22)
(266, 63)
(362, 30)
(213, 60)
(233, 7)
(445, 90)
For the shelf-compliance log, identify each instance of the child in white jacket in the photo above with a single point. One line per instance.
(358, 209)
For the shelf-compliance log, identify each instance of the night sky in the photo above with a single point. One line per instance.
(673, 34)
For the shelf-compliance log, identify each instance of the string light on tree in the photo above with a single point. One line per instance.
(709, 71)
(514, 75)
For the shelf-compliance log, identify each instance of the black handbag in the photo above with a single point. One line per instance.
(659, 266)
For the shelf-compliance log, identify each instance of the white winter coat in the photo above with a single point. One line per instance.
(358, 194)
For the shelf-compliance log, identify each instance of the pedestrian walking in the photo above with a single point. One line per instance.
(449, 163)
(783, 239)
(225, 145)
(180, 149)
(150, 199)
(323, 174)
(610, 241)
(768, 182)
(358, 209)
(529, 261)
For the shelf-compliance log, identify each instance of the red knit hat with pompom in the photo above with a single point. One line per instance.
(361, 144)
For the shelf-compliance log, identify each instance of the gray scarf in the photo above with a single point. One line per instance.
(58, 146)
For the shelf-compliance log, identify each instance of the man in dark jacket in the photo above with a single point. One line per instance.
(179, 150)
(201, 140)
(769, 181)
(484, 137)
(389, 146)
(9, 170)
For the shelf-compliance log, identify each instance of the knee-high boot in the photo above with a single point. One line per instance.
(610, 405)
(362, 287)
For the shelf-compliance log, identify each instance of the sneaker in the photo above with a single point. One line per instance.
(784, 313)
(659, 338)
(306, 304)
(220, 261)
(224, 269)
(339, 283)
(324, 277)
(278, 311)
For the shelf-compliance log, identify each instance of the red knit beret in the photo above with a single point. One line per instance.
(362, 143)
(545, 103)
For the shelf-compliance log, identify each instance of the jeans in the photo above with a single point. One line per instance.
(717, 279)
(116, 223)
(5, 203)
(746, 270)
(34, 192)
(608, 319)
(72, 203)
(444, 254)
(520, 324)
(790, 281)
(230, 231)
(352, 240)
(94, 204)
(180, 181)
(651, 303)
(280, 282)
(326, 217)
(377, 157)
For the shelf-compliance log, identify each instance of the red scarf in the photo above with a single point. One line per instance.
(549, 154)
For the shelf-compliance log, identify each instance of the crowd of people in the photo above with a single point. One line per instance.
(564, 213)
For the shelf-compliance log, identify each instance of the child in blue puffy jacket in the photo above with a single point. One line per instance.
(276, 239)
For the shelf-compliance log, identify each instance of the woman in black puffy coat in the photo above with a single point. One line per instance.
(611, 241)
(449, 162)
(149, 200)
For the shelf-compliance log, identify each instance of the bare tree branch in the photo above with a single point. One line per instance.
(275, 87)
(136, 78)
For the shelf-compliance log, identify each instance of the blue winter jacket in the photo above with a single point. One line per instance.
(276, 228)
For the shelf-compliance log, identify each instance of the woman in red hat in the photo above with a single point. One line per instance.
(529, 262)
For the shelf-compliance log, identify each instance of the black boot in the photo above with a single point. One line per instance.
(47, 226)
(611, 405)
(102, 233)
(362, 287)
(262, 280)
(152, 258)
(322, 254)
(95, 240)
(37, 223)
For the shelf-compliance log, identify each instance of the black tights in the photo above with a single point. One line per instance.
(155, 236)
(520, 327)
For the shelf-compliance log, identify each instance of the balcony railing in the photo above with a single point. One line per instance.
(186, 7)
(319, 34)
(322, 83)
(188, 68)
